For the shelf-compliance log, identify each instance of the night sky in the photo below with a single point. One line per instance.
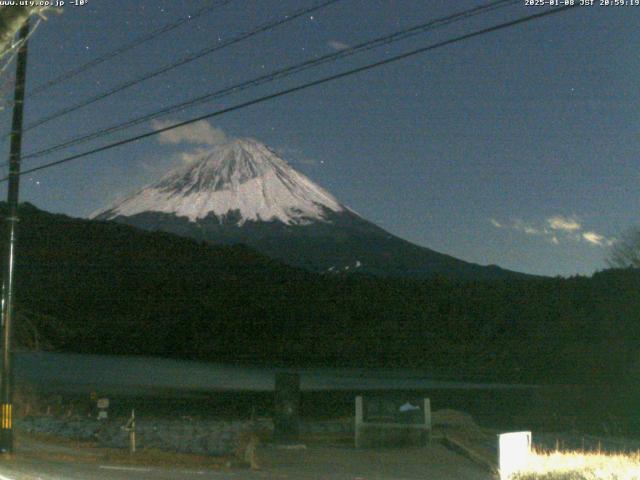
(517, 148)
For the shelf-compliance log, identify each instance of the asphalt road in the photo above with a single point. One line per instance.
(32, 469)
(313, 463)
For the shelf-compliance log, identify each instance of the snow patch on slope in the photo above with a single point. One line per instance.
(243, 176)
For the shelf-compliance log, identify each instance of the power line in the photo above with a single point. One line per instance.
(126, 47)
(279, 74)
(185, 60)
(400, 35)
(304, 86)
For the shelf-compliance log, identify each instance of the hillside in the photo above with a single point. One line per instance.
(114, 289)
(243, 192)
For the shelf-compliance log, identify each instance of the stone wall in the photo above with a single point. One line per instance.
(203, 437)
(187, 435)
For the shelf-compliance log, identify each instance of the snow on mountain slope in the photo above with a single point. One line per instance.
(244, 176)
(244, 193)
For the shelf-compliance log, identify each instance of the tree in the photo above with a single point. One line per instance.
(625, 252)
(11, 19)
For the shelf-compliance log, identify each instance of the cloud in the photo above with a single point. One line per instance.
(187, 158)
(556, 230)
(568, 224)
(157, 167)
(594, 238)
(293, 156)
(198, 133)
(597, 239)
(525, 227)
(148, 167)
(337, 45)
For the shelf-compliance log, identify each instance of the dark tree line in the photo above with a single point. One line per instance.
(123, 291)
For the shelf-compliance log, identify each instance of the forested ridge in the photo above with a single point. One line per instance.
(101, 287)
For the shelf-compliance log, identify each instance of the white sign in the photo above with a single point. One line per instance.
(514, 450)
(103, 403)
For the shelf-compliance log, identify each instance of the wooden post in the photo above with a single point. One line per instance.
(427, 418)
(132, 432)
(359, 419)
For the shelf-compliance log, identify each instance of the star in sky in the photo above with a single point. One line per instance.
(467, 132)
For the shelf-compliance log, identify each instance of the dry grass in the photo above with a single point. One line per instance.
(454, 419)
(48, 447)
(581, 466)
(160, 458)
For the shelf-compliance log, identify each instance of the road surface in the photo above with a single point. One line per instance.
(35, 460)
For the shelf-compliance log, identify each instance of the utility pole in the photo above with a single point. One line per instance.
(6, 393)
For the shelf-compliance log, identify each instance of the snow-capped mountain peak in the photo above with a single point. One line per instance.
(242, 176)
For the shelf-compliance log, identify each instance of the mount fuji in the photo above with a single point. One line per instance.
(243, 192)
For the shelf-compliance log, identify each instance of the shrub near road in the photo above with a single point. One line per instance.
(581, 466)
